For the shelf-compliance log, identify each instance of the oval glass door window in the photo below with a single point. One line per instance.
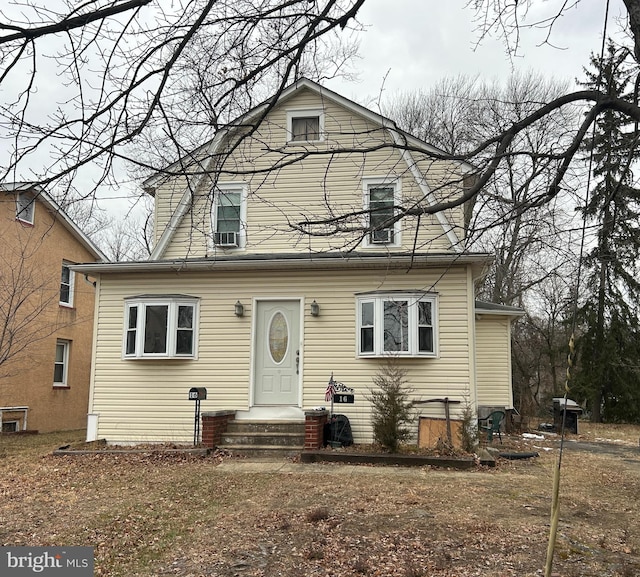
(278, 337)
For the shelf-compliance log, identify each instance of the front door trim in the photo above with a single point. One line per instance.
(293, 346)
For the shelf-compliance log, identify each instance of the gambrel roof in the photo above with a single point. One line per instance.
(405, 142)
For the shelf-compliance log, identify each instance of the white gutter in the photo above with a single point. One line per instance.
(480, 312)
(278, 262)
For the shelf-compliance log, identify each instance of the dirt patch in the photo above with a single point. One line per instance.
(149, 515)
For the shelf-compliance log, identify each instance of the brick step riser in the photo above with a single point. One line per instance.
(250, 428)
(268, 439)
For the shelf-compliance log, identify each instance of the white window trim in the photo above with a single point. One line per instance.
(373, 181)
(232, 187)
(298, 113)
(65, 363)
(378, 300)
(30, 214)
(72, 279)
(15, 423)
(172, 321)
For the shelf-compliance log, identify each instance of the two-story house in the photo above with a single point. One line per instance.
(46, 313)
(279, 260)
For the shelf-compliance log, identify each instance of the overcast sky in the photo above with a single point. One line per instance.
(415, 43)
(412, 44)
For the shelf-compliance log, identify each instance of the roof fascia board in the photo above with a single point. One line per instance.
(376, 118)
(150, 183)
(57, 210)
(185, 202)
(250, 264)
(426, 191)
(494, 309)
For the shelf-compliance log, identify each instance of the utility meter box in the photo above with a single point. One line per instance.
(197, 393)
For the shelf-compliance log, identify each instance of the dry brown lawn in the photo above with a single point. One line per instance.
(159, 515)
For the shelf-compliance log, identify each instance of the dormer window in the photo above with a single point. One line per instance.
(305, 125)
(25, 207)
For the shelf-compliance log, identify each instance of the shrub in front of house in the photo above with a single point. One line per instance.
(391, 406)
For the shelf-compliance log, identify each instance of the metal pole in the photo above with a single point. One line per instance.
(196, 424)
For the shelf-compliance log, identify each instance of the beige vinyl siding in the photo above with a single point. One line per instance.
(167, 196)
(445, 181)
(316, 188)
(493, 334)
(146, 400)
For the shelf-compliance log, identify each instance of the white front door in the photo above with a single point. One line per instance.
(277, 353)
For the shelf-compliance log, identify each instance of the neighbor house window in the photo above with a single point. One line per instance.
(305, 125)
(61, 363)
(228, 219)
(401, 324)
(160, 327)
(381, 197)
(25, 207)
(9, 426)
(66, 285)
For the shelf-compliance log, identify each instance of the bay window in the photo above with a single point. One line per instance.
(160, 327)
(401, 324)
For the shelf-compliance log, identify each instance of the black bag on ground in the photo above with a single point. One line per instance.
(337, 432)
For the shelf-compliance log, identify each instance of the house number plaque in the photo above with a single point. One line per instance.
(343, 394)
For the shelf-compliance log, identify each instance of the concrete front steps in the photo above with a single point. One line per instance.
(264, 438)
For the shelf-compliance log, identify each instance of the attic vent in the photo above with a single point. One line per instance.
(226, 239)
(384, 236)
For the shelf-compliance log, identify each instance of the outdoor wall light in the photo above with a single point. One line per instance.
(315, 309)
(239, 309)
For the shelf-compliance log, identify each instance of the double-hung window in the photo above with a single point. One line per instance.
(61, 363)
(401, 324)
(229, 214)
(25, 207)
(305, 125)
(161, 327)
(381, 197)
(66, 285)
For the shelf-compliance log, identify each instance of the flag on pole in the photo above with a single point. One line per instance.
(331, 390)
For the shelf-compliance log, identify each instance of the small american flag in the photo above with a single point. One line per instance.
(331, 390)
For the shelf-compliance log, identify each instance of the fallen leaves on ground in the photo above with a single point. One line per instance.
(158, 514)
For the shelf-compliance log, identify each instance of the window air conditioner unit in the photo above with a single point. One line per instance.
(384, 236)
(226, 239)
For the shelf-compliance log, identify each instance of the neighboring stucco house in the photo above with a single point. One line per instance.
(239, 299)
(46, 314)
